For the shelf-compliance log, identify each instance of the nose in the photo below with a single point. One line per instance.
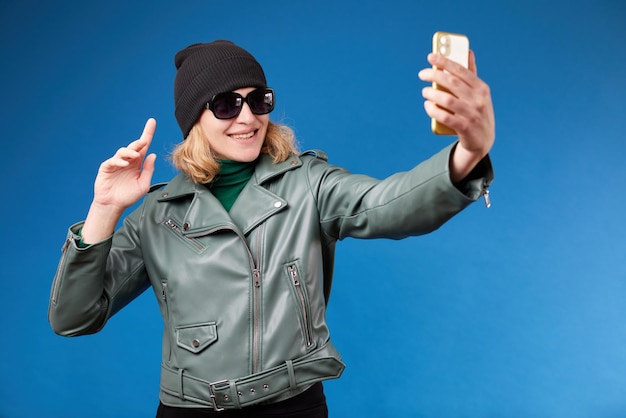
(246, 114)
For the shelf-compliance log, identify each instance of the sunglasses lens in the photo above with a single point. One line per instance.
(227, 105)
(261, 101)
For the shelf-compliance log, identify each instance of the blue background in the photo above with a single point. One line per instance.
(514, 311)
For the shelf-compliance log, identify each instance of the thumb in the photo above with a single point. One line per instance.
(148, 170)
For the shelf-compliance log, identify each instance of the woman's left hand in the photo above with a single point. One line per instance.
(470, 112)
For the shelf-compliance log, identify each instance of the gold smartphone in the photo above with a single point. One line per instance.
(454, 46)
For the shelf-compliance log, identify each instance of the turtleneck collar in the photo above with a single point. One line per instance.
(231, 180)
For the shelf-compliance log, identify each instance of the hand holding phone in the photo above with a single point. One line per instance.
(455, 47)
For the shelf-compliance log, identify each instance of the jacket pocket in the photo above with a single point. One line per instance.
(56, 283)
(167, 319)
(299, 291)
(177, 230)
(195, 338)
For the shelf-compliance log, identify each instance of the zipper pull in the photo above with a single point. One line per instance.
(486, 197)
(257, 277)
(294, 275)
(66, 244)
(171, 224)
(164, 294)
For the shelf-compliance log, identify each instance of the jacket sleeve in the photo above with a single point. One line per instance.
(405, 204)
(92, 283)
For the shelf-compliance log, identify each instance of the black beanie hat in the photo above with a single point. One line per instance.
(206, 69)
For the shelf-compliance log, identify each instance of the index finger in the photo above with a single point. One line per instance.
(442, 62)
(144, 141)
(468, 75)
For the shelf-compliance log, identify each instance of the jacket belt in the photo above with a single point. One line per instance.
(320, 364)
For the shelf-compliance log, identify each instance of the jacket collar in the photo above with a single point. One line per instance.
(265, 170)
(255, 203)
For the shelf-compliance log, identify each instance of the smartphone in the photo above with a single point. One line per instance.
(454, 46)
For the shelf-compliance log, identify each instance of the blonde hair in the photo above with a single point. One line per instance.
(194, 157)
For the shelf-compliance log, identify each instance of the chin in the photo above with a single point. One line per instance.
(248, 156)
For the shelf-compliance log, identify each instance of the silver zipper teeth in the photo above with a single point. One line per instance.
(167, 319)
(256, 331)
(296, 281)
(175, 228)
(57, 281)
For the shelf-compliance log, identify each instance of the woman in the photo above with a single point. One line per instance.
(239, 246)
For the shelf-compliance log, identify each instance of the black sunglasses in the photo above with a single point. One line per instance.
(228, 105)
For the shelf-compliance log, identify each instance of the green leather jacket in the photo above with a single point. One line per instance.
(243, 293)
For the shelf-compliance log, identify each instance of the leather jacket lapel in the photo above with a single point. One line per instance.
(254, 205)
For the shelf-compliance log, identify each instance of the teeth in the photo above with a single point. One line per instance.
(243, 136)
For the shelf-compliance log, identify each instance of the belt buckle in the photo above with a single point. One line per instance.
(214, 397)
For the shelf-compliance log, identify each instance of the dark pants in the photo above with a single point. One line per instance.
(309, 404)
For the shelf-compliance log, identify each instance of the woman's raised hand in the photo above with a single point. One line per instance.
(121, 181)
(124, 178)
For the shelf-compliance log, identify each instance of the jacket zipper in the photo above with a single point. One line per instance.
(486, 183)
(486, 197)
(256, 302)
(57, 280)
(256, 286)
(256, 306)
(295, 279)
(167, 318)
(173, 226)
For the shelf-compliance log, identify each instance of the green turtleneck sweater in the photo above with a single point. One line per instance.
(231, 179)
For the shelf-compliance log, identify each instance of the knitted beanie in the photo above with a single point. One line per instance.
(206, 69)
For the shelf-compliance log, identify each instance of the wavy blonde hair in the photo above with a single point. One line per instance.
(195, 158)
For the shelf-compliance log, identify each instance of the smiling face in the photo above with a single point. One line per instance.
(236, 139)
